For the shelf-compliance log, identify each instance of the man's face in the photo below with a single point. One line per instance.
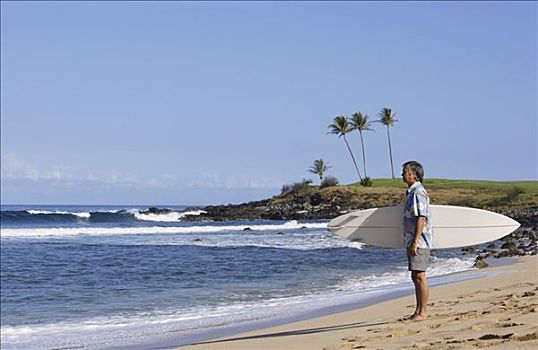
(408, 176)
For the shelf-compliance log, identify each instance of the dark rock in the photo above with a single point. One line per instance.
(483, 255)
(157, 211)
(517, 234)
(508, 252)
(503, 254)
(468, 249)
(480, 263)
(509, 246)
(247, 229)
(315, 199)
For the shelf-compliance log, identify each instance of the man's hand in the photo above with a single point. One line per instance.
(421, 222)
(412, 250)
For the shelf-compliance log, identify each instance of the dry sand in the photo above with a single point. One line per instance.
(498, 312)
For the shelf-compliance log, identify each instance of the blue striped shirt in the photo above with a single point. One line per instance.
(417, 203)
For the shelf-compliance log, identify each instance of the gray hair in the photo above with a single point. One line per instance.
(416, 168)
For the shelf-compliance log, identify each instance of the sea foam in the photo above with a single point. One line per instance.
(169, 217)
(82, 215)
(72, 231)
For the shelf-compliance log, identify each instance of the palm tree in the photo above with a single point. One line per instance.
(319, 168)
(360, 122)
(387, 118)
(341, 127)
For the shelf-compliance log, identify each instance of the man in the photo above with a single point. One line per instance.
(417, 225)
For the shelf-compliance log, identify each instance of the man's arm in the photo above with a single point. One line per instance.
(421, 221)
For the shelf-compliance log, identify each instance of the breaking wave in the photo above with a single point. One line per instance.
(20, 217)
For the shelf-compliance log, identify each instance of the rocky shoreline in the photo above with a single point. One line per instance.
(520, 243)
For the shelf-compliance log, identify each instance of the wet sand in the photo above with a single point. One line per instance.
(498, 312)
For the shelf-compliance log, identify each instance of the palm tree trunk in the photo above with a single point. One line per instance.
(353, 157)
(363, 155)
(390, 153)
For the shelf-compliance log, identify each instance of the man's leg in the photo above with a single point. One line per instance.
(422, 293)
(417, 294)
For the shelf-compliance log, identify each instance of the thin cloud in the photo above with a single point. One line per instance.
(15, 168)
(214, 180)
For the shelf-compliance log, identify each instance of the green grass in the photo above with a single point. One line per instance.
(476, 193)
(526, 186)
(437, 184)
(384, 192)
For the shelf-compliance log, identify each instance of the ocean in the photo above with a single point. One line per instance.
(101, 277)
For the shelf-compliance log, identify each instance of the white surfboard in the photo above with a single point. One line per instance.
(452, 226)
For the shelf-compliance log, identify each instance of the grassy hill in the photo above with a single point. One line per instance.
(303, 201)
(470, 193)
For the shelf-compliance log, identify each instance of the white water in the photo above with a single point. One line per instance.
(83, 215)
(282, 236)
(170, 217)
(70, 231)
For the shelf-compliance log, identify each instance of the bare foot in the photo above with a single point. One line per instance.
(407, 318)
(418, 317)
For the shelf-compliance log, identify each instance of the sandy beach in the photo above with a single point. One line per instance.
(497, 311)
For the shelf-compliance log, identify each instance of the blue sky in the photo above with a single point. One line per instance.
(200, 103)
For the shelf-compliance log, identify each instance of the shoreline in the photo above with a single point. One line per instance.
(347, 303)
(346, 329)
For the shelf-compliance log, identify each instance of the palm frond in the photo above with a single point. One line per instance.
(340, 126)
(319, 167)
(386, 117)
(360, 122)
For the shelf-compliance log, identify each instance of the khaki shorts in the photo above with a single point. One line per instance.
(419, 262)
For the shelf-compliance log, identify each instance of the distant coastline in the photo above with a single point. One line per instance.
(518, 199)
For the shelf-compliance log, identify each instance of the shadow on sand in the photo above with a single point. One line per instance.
(295, 332)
